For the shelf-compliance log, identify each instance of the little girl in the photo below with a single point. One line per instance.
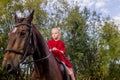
(57, 47)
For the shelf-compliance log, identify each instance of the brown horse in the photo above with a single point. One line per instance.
(26, 40)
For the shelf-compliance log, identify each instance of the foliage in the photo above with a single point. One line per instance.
(82, 41)
(114, 71)
(5, 76)
(7, 21)
(3, 3)
(76, 36)
(109, 53)
(93, 42)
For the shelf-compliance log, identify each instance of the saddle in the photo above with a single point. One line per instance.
(63, 69)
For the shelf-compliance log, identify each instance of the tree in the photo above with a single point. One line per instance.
(8, 10)
(92, 42)
(3, 3)
(109, 51)
(19, 7)
(81, 42)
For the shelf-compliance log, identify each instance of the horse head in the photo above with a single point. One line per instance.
(24, 40)
(19, 43)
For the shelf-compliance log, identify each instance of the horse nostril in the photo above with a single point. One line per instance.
(9, 67)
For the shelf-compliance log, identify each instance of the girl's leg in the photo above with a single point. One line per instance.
(70, 72)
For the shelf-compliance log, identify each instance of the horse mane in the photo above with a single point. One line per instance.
(40, 52)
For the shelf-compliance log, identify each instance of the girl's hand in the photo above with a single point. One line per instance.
(53, 49)
(50, 50)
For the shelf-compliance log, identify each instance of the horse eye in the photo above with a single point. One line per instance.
(22, 33)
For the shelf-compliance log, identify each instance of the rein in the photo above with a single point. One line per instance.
(38, 59)
(27, 46)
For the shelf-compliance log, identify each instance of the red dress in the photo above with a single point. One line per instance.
(61, 46)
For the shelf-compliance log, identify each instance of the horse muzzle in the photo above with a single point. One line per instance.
(9, 67)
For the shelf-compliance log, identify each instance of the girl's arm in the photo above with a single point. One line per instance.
(61, 48)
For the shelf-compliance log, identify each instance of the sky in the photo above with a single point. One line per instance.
(106, 7)
(109, 8)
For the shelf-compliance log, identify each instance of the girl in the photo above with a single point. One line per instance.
(57, 47)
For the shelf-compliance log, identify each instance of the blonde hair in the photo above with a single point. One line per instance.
(59, 30)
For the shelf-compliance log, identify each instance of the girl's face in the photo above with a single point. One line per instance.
(55, 34)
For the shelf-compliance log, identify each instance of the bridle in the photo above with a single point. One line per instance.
(29, 41)
(24, 53)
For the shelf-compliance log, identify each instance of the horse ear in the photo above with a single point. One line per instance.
(30, 17)
(16, 18)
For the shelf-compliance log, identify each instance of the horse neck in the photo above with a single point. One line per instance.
(41, 46)
(41, 67)
(46, 68)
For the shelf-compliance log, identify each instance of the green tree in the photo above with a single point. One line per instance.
(3, 3)
(18, 6)
(92, 43)
(8, 9)
(82, 40)
(109, 51)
